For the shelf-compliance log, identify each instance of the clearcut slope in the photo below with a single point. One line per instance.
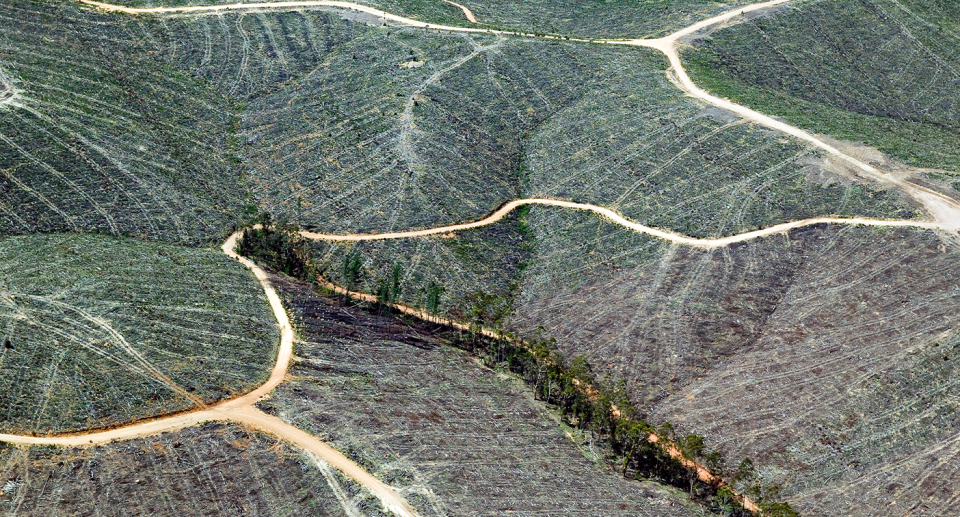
(99, 331)
(106, 137)
(882, 72)
(449, 433)
(215, 469)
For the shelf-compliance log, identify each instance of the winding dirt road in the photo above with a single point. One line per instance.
(626, 223)
(944, 210)
(242, 410)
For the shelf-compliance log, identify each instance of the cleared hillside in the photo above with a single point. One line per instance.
(214, 470)
(454, 437)
(847, 393)
(823, 355)
(587, 19)
(106, 137)
(882, 72)
(174, 127)
(99, 331)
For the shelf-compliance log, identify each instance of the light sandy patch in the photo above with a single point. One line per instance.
(8, 91)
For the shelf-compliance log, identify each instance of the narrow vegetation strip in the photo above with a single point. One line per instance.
(633, 445)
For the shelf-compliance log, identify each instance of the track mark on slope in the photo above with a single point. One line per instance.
(8, 93)
(406, 148)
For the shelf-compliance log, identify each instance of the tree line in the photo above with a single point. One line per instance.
(602, 410)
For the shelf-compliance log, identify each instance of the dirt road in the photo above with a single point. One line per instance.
(626, 223)
(702, 473)
(945, 210)
(466, 12)
(241, 409)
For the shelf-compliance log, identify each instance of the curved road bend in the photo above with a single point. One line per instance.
(944, 209)
(241, 409)
(466, 12)
(626, 223)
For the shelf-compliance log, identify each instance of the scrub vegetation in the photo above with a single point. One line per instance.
(98, 331)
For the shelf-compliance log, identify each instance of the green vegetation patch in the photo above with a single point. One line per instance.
(98, 331)
(882, 72)
(442, 273)
(369, 143)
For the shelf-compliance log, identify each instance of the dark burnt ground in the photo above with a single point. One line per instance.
(456, 438)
